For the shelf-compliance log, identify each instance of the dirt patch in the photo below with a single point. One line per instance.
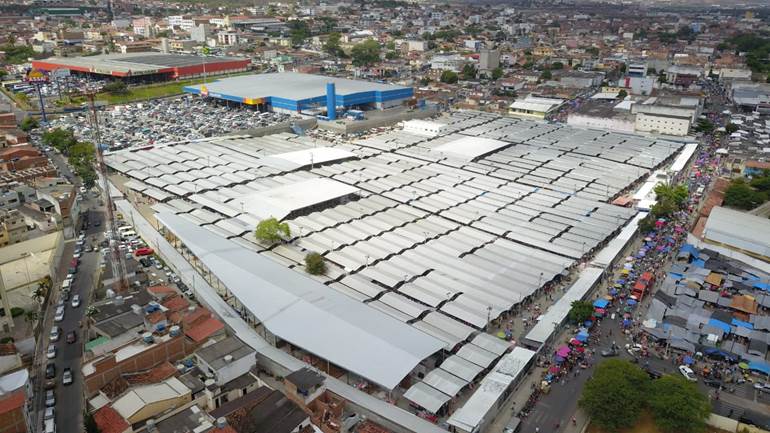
(646, 424)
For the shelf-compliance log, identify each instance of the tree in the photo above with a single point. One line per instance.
(60, 139)
(332, 45)
(449, 77)
(366, 53)
(299, 31)
(676, 193)
(89, 423)
(28, 124)
(31, 317)
(731, 128)
(704, 125)
(315, 264)
(622, 94)
(678, 406)
(614, 396)
(557, 65)
(468, 72)
(391, 55)
(580, 311)
(271, 231)
(115, 88)
(497, 73)
(546, 75)
(740, 195)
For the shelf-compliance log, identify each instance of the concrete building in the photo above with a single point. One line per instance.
(535, 107)
(683, 76)
(739, 231)
(64, 200)
(183, 22)
(668, 115)
(423, 127)
(148, 401)
(200, 33)
(226, 360)
(15, 389)
(451, 62)
(609, 116)
(580, 80)
(228, 38)
(144, 26)
(488, 60)
(419, 46)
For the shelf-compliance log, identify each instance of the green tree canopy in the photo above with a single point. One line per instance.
(115, 88)
(622, 94)
(731, 128)
(546, 75)
(580, 311)
(557, 65)
(271, 231)
(332, 45)
(497, 73)
(742, 196)
(678, 406)
(315, 264)
(60, 139)
(704, 125)
(28, 124)
(449, 77)
(615, 394)
(366, 53)
(299, 31)
(676, 193)
(469, 72)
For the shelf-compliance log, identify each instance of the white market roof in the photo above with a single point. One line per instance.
(307, 313)
(491, 389)
(136, 399)
(426, 396)
(280, 201)
(307, 157)
(738, 230)
(469, 148)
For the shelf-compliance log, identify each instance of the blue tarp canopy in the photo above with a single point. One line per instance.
(689, 248)
(763, 286)
(721, 325)
(582, 336)
(601, 303)
(699, 263)
(688, 360)
(737, 322)
(761, 367)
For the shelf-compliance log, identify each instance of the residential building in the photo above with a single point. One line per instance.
(488, 60)
(12, 227)
(15, 390)
(227, 359)
(148, 401)
(451, 62)
(181, 21)
(200, 33)
(417, 46)
(535, 107)
(144, 26)
(228, 38)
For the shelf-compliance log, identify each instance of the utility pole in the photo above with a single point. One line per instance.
(117, 260)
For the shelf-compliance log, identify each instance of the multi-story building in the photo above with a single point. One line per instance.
(488, 60)
(144, 27)
(227, 38)
(12, 227)
(200, 33)
(181, 21)
(14, 391)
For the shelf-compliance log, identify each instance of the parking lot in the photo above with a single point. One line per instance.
(168, 120)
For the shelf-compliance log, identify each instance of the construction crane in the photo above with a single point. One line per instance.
(117, 260)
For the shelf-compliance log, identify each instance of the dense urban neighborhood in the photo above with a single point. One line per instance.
(384, 216)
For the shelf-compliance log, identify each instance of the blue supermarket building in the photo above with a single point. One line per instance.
(293, 92)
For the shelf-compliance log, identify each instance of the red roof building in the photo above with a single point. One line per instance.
(204, 330)
(12, 419)
(109, 420)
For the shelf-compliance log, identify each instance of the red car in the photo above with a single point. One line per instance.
(144, 252)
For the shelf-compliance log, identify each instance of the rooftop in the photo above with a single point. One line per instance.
(215, 354)
(135, 63)
(290, 86)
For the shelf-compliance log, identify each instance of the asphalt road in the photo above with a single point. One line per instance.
(69, 399)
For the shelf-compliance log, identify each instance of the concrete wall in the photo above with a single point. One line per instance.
(108, 370)
(362, 125)
(722, 423)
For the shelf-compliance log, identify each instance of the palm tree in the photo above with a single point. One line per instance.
(43, 287)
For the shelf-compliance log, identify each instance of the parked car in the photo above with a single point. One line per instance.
(50, 413)
(66, 378)
(50, 398)
(51, 352)
(146, 251)
(71, 337)
(687, 373)
(50, 370)
(75, 301)
(55, 333)
(59, 315)
(713, 383)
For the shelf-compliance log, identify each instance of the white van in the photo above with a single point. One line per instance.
(66, 284)
(128, 235)
(123, 229)
(50, 426)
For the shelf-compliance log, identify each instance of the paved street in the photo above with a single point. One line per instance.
(69, 399)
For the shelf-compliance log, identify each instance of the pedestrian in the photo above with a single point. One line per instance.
(574, 421)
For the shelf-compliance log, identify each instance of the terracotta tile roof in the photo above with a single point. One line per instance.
(153, 375)
(110, 421)
(7, 349)
(195, 317)
(204, 329)
(176, 303)
(161, 290)
(12, 402)
(155, 317)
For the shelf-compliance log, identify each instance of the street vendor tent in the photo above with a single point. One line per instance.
(721, 325)
(601, 303)
(761, 367)
(744, 303)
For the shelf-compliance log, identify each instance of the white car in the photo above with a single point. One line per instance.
(59, 315)
(51, 352)
(75, 301)
(50, 413)
(54, 335)
(66, 378)
(688, 373)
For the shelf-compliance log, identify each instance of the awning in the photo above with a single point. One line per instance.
(601, 303)
(426, 397)
(761, 367)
